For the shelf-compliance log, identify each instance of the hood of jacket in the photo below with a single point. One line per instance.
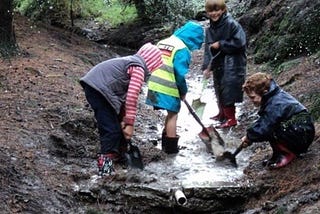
(192, 35)
(151, 55)
(274, 88)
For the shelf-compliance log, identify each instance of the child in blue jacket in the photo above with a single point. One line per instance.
(167, 85)
(284, 122)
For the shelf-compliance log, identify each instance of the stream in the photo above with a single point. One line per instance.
(206, 184)
(193, 165)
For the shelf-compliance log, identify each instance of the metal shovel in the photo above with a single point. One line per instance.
(133, 156)
(231, 156)
(197, 104)
(206, 138)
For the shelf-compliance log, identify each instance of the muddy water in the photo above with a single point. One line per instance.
(193, 169)
(193, 166)
(208, 184)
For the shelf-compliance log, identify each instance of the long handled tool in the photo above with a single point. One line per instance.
(134, 158)
(204, 129)
(197, 104)
(231, 156)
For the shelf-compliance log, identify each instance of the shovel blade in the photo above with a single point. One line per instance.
(206, 140)
(198, 107)
(213, 132)
(134, 158)
(212, 142)
(231, 157)
(228, 158)
(204, 136)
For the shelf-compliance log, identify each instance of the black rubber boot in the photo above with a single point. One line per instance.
(170, 144)
(163, 134)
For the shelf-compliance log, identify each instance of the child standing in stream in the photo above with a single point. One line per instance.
(225, 59)
(167, 85)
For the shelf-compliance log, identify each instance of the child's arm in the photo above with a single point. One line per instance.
(263, 128)
(181, 64)
(136, 80)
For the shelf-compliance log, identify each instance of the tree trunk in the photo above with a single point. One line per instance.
(141, 8)
(71, 13)
(7, 36)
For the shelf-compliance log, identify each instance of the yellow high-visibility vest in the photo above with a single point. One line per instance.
(163, 80)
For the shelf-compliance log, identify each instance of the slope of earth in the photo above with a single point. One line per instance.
(40, 94)
(46, 127)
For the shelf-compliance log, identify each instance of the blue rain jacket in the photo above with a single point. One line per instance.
(192, 35)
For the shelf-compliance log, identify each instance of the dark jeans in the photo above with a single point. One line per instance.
(107, 119)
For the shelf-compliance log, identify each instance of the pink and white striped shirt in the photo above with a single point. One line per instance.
(152, 57)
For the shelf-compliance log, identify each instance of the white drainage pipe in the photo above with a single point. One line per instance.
(181, 199)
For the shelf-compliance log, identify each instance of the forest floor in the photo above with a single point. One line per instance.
(40, 95)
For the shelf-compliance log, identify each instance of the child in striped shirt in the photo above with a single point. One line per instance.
(112, 88)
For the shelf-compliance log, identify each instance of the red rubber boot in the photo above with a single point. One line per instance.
(285, 158)
(220, 116)
(230, 113)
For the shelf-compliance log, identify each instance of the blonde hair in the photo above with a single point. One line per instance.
(210, 5)
(258, 83)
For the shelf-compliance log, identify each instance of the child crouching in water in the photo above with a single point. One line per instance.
(284, 122)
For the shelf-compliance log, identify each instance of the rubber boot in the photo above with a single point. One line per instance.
(220, 116)
(164, 133)
(170, 144)
(230, 114)
(286, 156)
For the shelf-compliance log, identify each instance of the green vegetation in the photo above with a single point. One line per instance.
(294, 32)
(113, 12)
(174, 11)
(23, 5)
(8, 50)
(288, 65)
(315, 108)
(313, 100)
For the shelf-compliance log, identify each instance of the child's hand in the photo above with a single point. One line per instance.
(127, 131)
(215, 45)
(245, 142)
(123, 125)
(206, 73)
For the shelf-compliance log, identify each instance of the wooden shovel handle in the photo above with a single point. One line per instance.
(197, 118)
(238, 150)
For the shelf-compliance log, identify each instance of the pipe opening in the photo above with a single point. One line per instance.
(180, 198)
